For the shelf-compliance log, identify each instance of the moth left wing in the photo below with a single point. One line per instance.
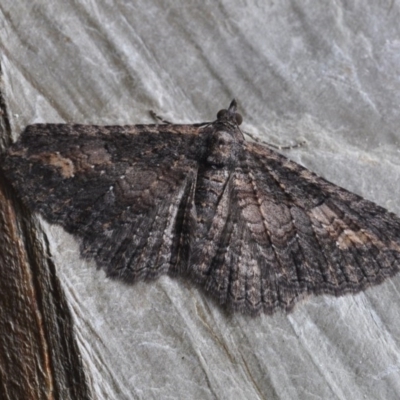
(124, 191)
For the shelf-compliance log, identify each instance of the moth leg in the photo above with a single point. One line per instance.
(275, 146)
(157, 118)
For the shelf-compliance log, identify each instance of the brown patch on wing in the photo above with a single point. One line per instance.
(63, 164)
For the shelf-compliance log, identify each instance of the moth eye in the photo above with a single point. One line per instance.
(239, 118)
(221, 113)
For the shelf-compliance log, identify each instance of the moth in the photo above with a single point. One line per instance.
(254, 229)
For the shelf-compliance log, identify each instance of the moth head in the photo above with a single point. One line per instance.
(230, 115)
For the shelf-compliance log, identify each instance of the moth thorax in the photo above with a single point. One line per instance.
(221, 149)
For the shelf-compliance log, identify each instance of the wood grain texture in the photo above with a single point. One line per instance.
(326, 73)
(39, 356)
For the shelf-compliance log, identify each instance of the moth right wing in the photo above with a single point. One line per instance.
(280, 233)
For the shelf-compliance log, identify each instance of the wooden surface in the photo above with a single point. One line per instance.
(39, 356)
(326, 73)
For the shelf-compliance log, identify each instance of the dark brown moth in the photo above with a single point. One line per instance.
(253, 228)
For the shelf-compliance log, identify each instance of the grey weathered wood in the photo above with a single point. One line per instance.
(324, 72)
